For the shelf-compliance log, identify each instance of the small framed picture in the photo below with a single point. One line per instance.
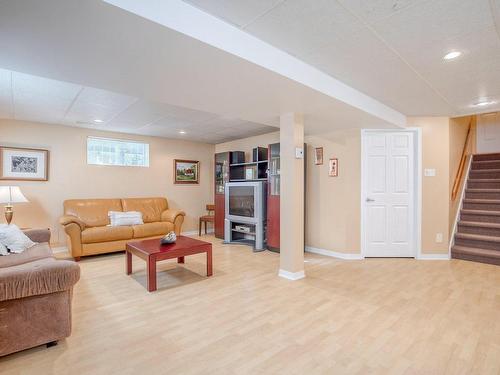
(318, 156)
(24, 164)
(186, 171)
(333, 168)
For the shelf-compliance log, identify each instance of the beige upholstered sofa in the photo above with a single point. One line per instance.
(35, 296)
(86, 223)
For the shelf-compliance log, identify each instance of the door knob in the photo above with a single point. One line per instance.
(370, 200)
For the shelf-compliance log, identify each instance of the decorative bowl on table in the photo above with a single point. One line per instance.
(168, 238)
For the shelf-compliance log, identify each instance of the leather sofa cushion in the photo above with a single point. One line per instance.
(152, 229)
(106, 234)
(93, 212)
(151, 208)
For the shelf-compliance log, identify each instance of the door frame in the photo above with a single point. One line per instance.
(417, 186)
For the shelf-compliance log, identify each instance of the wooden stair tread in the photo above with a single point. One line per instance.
(478, 200)
(476, 251)
(487, 161)
(480, 212)
(489, 190)
(479, 224)
(486, 170)
(486, 180)
(477, 237)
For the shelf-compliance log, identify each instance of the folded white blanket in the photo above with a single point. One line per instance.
(118, 218)
(13, 238)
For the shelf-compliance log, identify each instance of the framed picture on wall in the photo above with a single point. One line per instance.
(24, 164)
(186, 171)
(333, 168)
(318, 156)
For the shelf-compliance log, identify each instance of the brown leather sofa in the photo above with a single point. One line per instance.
(35, 296)
(86, 223)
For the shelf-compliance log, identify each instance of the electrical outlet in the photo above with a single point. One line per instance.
(439, 237)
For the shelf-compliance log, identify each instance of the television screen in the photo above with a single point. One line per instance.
(241, 201)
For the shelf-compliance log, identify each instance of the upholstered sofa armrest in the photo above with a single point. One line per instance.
(38, 235)
(68, 219)
(171, 215)
(43, 276)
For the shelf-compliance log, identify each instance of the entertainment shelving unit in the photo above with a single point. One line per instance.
(266, 167)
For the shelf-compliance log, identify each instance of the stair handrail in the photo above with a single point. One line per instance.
(461, 166)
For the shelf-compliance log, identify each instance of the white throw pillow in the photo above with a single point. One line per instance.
(117, 218)
(14, 239)
(3, 250)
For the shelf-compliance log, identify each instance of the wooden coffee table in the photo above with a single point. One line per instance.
(152, 251)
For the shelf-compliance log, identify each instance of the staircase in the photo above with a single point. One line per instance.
(478, 230)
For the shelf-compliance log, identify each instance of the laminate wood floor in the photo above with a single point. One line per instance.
(376, 316)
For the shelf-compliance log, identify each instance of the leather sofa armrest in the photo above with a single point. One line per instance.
(68, 219)
(171, 215)
(174, 216)
(38, 235)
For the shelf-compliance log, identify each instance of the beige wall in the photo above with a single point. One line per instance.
(435, 190)
(458, 134)
(333, 204)
(71, 177)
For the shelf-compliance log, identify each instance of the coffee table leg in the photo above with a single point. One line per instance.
(180, 260)
(151, 274)
(128, 268)
(209, 261)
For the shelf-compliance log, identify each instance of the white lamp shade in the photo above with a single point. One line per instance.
(11, 194)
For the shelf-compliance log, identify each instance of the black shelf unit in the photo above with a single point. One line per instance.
(255, 170)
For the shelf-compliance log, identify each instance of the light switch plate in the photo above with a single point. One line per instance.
(429, 172)
(299, 153)
(439, 237)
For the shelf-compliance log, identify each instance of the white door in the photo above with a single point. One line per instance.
(389, 191)
(488, 133)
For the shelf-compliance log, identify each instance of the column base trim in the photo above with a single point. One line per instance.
(291, 275)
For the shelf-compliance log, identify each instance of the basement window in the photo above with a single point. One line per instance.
(107, 151)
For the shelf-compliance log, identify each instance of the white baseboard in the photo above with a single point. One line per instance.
(195, 232)
(59, 249)
(334, 254)
(291, 275)
(433, 257)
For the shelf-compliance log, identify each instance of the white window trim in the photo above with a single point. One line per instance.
(147, 164)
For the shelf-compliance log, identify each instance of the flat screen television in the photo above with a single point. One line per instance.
(246, 201)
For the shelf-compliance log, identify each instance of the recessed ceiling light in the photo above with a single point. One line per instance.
(182, 132)
(483, 103)
(98, 121)
(452, 55)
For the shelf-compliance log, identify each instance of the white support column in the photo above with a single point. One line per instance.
(291, 197)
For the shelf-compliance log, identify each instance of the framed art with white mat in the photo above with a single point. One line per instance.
(28, 164)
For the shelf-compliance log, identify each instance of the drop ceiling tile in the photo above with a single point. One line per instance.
(237, 12)
(35, 94)
(6, 110)
(138, 115)
(418, 28)
(366, 63)
(376, 10)
(99, 104)
(301, 26)
(187, 114)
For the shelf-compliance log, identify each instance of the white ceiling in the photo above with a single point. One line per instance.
(97, 45)
(391, 50)
(30, 98)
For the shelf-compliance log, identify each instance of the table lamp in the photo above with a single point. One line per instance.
(8, 196)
